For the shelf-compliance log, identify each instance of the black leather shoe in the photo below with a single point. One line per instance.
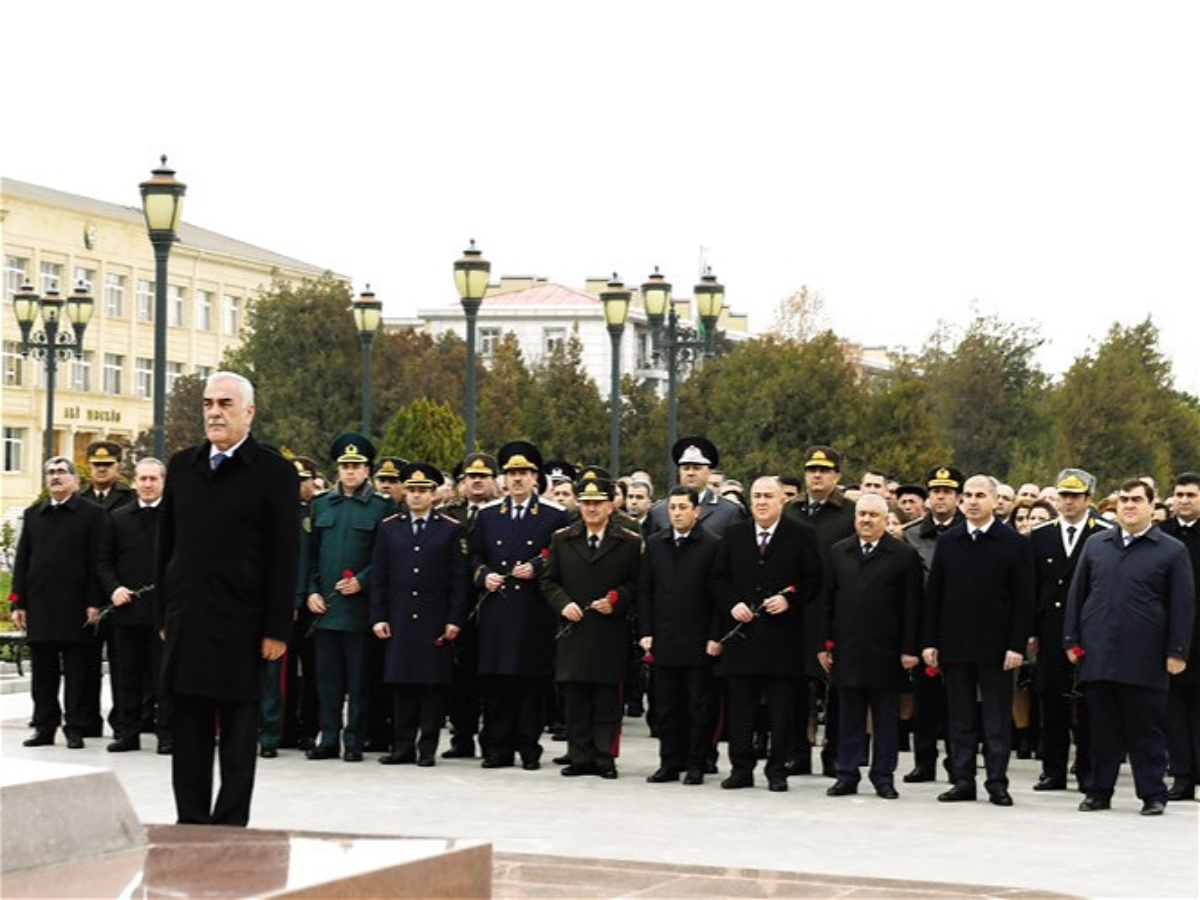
(738, 780)
(957, 794)
(608, 773)
(459, 753)
(887, 792)
(841, 788)
(531, 765)
(798, 767)
(74, 742)
(694, 776)
(662, 776)
(396, 759)
(1000, 797)
(1180, 791)
(425, 761)
(1094, 803)
(564, 760)
(320, 752)
(123, 746)
(268, 753)
(353, 756)
(777, 785)
(919, 775)
(497, 762)
(1153, 807)
(574, 771)
(1049, 783)
(710, 768)
(166, 747)
(39, 739)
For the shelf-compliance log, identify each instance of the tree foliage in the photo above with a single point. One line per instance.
(563, 413)
(426, 431)
(184, 423)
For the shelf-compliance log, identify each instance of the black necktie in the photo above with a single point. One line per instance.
(217, 460)
(472, 512)
(1070, 538)
(764, 538)
(679, 542)
(420, 524)
(868, 549)
(975, 535)
(594, 543)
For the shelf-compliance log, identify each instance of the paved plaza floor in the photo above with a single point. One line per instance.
(560, 837)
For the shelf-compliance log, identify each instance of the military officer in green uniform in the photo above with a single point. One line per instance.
(344, 521)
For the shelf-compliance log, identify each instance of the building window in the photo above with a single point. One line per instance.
(174, 373)
(81, 371)
(14, 449)
(204, 310)
(552, 339)
(51, 277)
(143, 377)
(645, 349)
(14, 365)
(114, 364)
(16, 272)
(175, 296)
(489, 340)
(84, 277)
(145, 300)
(204, 371)
(114, 296)
(232, 314)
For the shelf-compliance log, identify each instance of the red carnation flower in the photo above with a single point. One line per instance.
(13, 598)
(545, 553)
(347, 573)
(829, 645)
(648, 658)
(1078, 653)
(931, 671)
(612, 596)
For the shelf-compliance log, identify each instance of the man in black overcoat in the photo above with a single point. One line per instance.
(127, 581)
(871, 605)
(54, 594)
(767, 569)
(978, 619)
(675, 617)
(1056, 546)
(1183, 698)
(225, 582)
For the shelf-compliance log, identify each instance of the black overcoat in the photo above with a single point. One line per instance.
(1190, 538)
(127, 560)
(516, 627)
(225, 570)
(54, 575)
(1052, 570)
(979, 596)
(594, 650)
(871, 609)
(769, 645)
(676, 604)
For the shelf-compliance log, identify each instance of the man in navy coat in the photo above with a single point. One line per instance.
(1183, 699)
(978, 621)
(1128, 629)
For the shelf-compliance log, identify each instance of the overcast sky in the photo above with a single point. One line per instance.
(912, 162)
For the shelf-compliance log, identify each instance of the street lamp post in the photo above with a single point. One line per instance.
(52, 344)
(471, 279)
(368, 314)
(616, 308)
(162, 203)
(681, 342)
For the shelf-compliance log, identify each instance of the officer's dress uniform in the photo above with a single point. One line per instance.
(1183, 697)
(418, 586)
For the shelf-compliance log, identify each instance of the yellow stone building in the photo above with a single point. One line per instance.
(54, 240)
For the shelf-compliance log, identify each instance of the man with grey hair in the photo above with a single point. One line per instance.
(126, 580)
(978, 621)
(225, 581)
(54, 595)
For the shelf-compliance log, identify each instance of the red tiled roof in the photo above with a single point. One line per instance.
(543, 295)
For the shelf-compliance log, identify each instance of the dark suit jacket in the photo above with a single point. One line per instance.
(772, 645)
(1190, 538)
(419, 587)
(833, 521)
(127, 560)
(871, 611)
(595, 650)
(979, 597)
(225, 573)
(516, 627)
(1130, 608)
(676, 604)
(54, 575)
(1053, 569)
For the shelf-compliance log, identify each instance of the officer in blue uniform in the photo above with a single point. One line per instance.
(516, 625)
(418, 607)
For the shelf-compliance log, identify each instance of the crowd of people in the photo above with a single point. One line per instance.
(249, 606)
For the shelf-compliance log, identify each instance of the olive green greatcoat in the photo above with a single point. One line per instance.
(343, 536)
(594, 650)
